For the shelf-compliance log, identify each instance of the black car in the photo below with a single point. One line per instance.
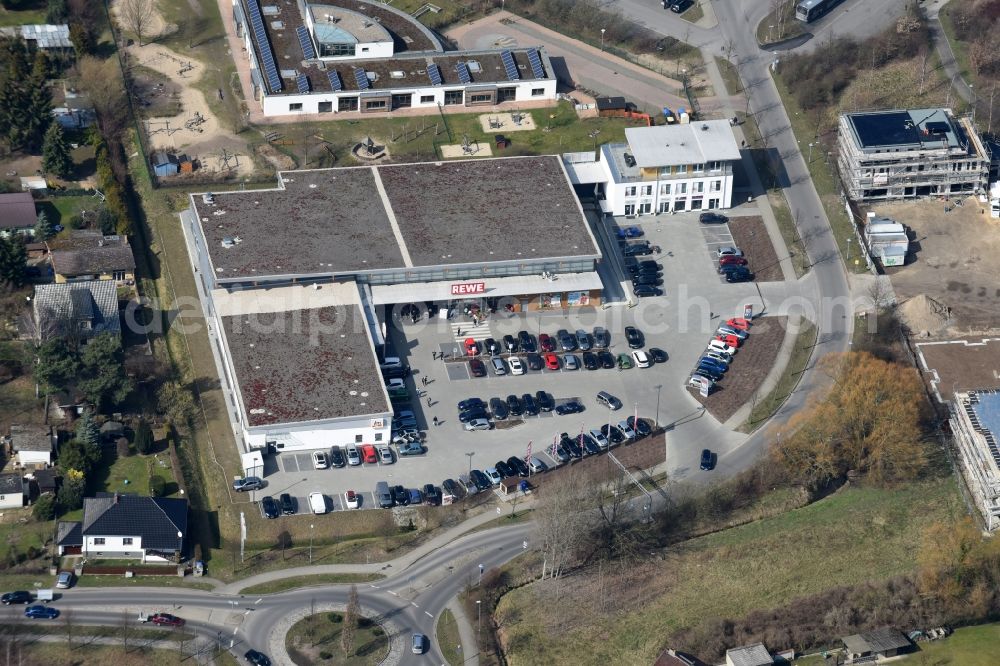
(257, 658)
(491, 347)
(530, 406)
(503, 469)
(645, 290)
(640, 426)
(478, 478)
(19, 597)
(732, 268)
(590, 361)
(527, 342)
(647, 265)
(477, 368)
(635, 338)
(572, 407)
(474, 413)
(451, 487)
(657, 354)
(545, 401)
(613, 434)
(602, 339)
(571, 445)
(712, 218)
(499, 409)
(606, 359)
(567, 341)
(432, 495)
(510, 344)
(647, 281)
(470, 403)
(707, 459)
(739, 276)
(590, 447)
(680, 6)
(337, 457)
(287, 504)
(269, 507)
(400, 495)
(637, 250)
(645, 275)
(396, 372)
(514, 405)
(518, 466)
(533, 361)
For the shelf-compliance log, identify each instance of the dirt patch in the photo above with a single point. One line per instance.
(275, 157)
(960, 365)
(475, 149)
(748, 370)
(924, 316)
(504, 122)
(750, 235)
(950, 264)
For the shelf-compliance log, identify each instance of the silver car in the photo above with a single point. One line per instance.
(571, 362)
(418, 644)
(583, 340)
(478, 424)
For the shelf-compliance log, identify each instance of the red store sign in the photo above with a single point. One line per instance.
(468, 288)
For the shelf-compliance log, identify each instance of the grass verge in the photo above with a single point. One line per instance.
(316, 639)
(730, 76)
(853, 536)
(805, 341)
(284, 584)
(694, 14)
(789, 233)
(774, 28)
(92, 654)
(448, 640)
(968, 646)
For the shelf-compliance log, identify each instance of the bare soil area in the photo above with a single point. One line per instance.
(747, 371)
(960, 365)
(750, 236)
(951, 266)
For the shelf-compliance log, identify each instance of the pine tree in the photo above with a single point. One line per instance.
(55, 152)
(12, 261)
(39, 114)
(87, 431)
(43, 228)
(143, 437)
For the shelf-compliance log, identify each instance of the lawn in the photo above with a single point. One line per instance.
(131, 474)
(59, 210)
(770, 30)
(18, 403)
(968, 646)
(729, 76)
(805, 341)
(695, 13)
(316, 638)
(448, 640)
(856, 535)
(22, 12)
(307, 581)
(81, 653)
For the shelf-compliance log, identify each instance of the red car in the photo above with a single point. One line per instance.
(477, 368)
(732, 260)
(739, 323)
(551, 361)
(730, 340)
(471, 347)
(546, 343)
(166, 620)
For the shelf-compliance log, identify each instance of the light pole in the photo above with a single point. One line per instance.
(311, 543)
(602, 48)
(470, 454)
(180, 544)
(972, 94)
(810, 153)
(480, 574)
(849, 248)
(479, 622)
(656, 419)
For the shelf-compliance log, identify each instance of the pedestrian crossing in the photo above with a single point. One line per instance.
(463, 330)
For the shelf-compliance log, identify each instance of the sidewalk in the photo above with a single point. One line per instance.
(470, 649)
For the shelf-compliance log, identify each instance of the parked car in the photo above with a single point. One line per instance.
(320, 460)
(471, 347)
(530, 407)
(628, 232)
(368, 454)
(739, 276)
(470, 403)
(477, 368)
(646, 280)
(645, 291)
(432, 495)
(19, 597)
(634, 337)
(590, 447)
(571, 362)
(625, 429)
(722, 357)
(637, 250)
(166, 620)
(493, 476)
(385, 455)
(287, 504)
(383, 495)
(599, 438)
(534, 362)
(536, 465)
(571, 446)
(609, 401)
(680, 6)
(416, 497)
(712, 218)
(613, 434)
(545, 401)
(337, 456)
(504, 470)
(491, 347)
(247, 483)
(65, 580)
(719, 345)
(624, 361)
(721, 366)
(708, 371)
(526, 341)
(707, 459)
(256, 658)
(732, 260)
(514, 405)
(518, 466)
(409, 449)
(499, 409)
(602, 339)
(590, 361)
(468, 484)
(499, 367)
(561, 454)
(400, 496)
(449, 487)
(729, 251)
(43, 612)
(740, 323)
(729, 330)
(481, 480)
(317, 503)
(516, 366)
(641, 359)
(566, 340)
(510, 344)
(572, 407)
(478, 424)
(657, 355)
(640, 426)
(353, 457)
(546, 343)
(551, 362)
(269, 507)
(583, 340)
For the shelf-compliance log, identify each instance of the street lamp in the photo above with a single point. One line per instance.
(479, 622)
(849, 248)
(470, 454)
(180, 539)
(810, 152)
(311, 543)
(602, 48)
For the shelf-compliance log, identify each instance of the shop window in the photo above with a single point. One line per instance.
(427, 99)
(452, 97)
(325, 107)
(480, 98)
(358, 439)
(375, 104)
(347, 104)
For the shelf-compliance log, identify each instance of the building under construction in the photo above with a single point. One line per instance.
(907, 154)
(975, 422)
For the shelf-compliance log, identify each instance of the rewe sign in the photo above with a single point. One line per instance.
(468, 288)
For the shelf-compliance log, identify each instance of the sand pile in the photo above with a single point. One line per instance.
(923, 315)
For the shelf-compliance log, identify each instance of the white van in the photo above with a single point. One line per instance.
(317, 503)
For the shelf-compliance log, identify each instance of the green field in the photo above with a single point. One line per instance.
(448, 639)
(82, 653)
(968, 646)
(856, 535)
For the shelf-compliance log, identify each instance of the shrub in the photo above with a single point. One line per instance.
(45, 508)
(323, 654)
(123, 448)
(336, 618)
(157, 486)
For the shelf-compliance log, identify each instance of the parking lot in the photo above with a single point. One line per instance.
(680, 323)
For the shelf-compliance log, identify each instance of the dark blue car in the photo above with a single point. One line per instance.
(43, 612)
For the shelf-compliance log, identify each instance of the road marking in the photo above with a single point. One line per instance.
(393, 593)
(414, 604)
(428, 614)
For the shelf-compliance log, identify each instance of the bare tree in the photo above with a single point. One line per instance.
(126, 630)
(350, 621)
(137, 16)
(561, 521)
(68, 624)
(102, 81)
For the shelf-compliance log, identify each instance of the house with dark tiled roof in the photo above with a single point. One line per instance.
(33, 444)
(12, 491)
(77, 309)
(870, 646)
(90, 255)
(17, 213)
(151, 529)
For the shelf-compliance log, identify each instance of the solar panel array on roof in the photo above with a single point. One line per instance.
(302, 81)
(266, 54)
(361, 78)
(434, 74)
(307, 46)
(463, 73)
(509, 65)
(335, 83)
(535, 61)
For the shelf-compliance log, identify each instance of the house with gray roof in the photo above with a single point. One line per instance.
(33, 444)
(17, 213)
(76, 309)
(749, 655)
(12, 491)
(151, 529)
(90, 255)
(871, 646)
